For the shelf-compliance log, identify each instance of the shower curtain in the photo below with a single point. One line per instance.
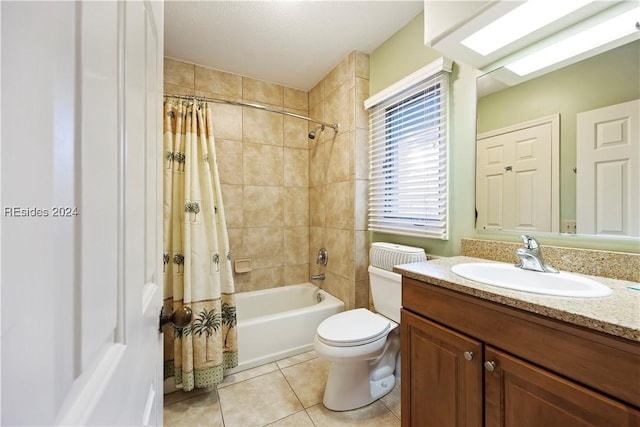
(196, 257)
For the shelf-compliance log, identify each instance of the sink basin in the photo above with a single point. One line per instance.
(511, 277)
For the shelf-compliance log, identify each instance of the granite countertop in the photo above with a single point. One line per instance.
(617, 314)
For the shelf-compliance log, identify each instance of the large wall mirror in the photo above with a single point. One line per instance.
(536, 167)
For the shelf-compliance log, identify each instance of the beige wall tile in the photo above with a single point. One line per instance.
(338, 107)
(233, 204)
(294, 274)
(296, 206)
(317, 206)
(262, 92)
(338, 154)
(242, 282)
(361, 160)
(296, 245)
(289, 186)
(262, 164)
(266, 278)
(218, 82)
(296, 131)
(262, 127)
(361, 204)
(362, 255)
(339, 202)
(362, 294)
(340, 245)
(316, 94)
(177, 90)
(343, 73)
(235, 240)
(179, 73)
(296, 167)
(227, 121)
(264, 246)
(362, 93)
(316, 112)
(339, 287)
(317, 165)
(296, 99)
(362, 65)
(263, 206)
(316, 241)
(229, 160)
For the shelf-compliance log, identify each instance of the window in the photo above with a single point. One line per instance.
(408, 155)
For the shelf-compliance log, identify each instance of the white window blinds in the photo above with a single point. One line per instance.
(408, 155)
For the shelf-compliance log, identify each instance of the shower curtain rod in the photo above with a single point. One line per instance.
(334, 126)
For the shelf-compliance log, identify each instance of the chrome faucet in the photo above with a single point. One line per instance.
(531, 256)
(317, 277)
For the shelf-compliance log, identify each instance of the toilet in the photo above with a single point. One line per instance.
(363, 347)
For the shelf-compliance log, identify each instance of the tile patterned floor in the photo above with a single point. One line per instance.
(284, 393)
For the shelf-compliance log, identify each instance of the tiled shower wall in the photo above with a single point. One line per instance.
(338, 174)
(287, 196)
(263, 159)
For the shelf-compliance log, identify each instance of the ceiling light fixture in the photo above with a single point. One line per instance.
(598, 35)
(523, 20)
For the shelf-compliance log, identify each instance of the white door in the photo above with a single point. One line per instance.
(81, 123)
(608, 157)
(515, 185)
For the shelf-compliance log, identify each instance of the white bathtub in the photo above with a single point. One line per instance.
(280, 322)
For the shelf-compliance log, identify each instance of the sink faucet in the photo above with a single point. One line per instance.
(531, 256)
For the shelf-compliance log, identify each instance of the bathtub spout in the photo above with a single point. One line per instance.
(317, 277)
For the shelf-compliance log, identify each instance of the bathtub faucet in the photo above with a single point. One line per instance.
(317, 277)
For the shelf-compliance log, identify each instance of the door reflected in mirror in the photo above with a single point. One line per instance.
(514, 191)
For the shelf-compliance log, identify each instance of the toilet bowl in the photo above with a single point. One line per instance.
(363, 346)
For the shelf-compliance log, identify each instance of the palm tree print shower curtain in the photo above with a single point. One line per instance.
(196, 255)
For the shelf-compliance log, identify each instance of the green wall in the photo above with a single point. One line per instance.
(399, 56)
(606, 79)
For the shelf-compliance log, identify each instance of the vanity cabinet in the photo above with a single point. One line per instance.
(471, 362)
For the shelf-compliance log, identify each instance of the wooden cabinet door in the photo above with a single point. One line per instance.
(520, 394)
(440, 386)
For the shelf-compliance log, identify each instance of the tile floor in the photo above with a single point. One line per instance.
(284, 393)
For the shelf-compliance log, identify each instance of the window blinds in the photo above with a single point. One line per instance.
(408, 157)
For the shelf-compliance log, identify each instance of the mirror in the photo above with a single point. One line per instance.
(607, 79)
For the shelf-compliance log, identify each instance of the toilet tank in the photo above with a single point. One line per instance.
(385, 285)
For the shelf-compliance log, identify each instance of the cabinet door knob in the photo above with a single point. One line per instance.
(490, 366)
(468, 355)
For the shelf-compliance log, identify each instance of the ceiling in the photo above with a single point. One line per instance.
(292, 43)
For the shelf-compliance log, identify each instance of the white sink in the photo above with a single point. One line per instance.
(512, 277)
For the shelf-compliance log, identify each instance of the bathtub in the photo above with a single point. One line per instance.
(280, 322)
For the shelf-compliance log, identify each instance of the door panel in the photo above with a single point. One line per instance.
(516, 177)
(79, 300)
(442, 388)
(608, 157)
(99, 131)
(523, 395)
(38, 171)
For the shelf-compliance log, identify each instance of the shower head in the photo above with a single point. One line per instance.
(312, 134)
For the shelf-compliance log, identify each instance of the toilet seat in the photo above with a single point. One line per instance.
(353, 328)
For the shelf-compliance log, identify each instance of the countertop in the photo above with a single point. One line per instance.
(617, 314)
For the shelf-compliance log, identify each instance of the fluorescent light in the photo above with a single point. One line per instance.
(608, 31)
(523, 20)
